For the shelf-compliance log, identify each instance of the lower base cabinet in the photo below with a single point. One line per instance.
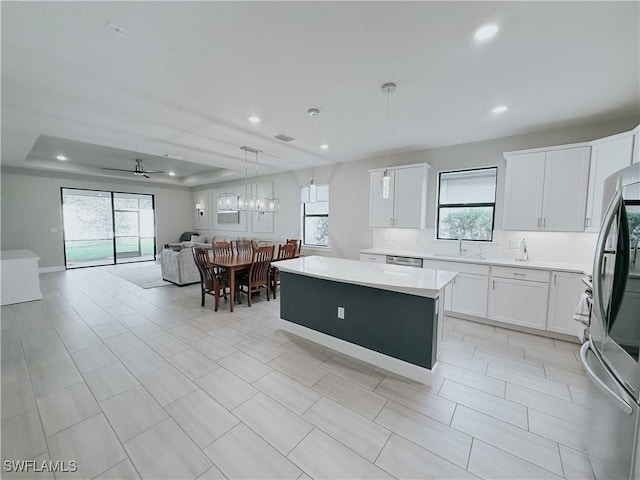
(519, 302)
(469, 294)
(564, 294)
(525, 297)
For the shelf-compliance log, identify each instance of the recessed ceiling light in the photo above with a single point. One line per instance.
(61, 157)
(500, 109)
(254, 119)
(172, 173)
(486, 32)
(324, 146)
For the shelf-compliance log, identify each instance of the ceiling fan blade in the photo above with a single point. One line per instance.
(153, 171)
(145, 175)
(117, 169)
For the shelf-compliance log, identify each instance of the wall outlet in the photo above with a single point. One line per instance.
(514, 244)
(54, 230)
(341, 313)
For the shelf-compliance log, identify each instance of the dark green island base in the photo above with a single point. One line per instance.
(391, 330)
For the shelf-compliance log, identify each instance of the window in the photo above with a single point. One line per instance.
(466, 204)
(315, 217)
(107, 228)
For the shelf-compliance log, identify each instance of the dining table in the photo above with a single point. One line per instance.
(233, 264)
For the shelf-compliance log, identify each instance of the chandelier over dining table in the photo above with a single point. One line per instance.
(234, 202)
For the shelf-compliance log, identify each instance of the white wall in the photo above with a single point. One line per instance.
(349, 198)
(31, 207)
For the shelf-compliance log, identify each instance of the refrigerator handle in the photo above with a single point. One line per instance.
(584, 351)
(609, 217)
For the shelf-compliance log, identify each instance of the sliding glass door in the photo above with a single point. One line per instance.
(106, 228)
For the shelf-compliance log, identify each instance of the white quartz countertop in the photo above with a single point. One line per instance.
(18, 255)
(502, 262)
(396, 278)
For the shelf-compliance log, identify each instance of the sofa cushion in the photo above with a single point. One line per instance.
(186, 236)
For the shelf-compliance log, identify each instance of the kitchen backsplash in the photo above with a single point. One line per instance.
(545, 246)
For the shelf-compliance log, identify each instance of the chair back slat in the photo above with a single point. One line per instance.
(222, 249)
(297, 243)
(244, 247)
(288, 250)
(260, 264)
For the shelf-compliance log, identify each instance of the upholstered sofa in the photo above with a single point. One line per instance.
(178, 265)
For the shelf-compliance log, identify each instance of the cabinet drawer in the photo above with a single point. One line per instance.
(372, 257)
(521, 274)
(456, 267)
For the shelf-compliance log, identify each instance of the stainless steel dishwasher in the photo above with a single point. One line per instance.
(406, 261)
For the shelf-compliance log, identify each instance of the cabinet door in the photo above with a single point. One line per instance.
(448, 293)
(636, 159)
(566, 177)
(523, 191)
(519, 302)
(380, 209)
(469, 294)
(564, 293)
(410, 197)
(606, 159)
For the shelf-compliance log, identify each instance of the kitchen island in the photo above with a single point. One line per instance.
(386, 315)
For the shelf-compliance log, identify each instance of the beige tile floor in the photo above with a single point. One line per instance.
(134, 383)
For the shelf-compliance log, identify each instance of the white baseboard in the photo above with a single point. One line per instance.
(385, 362)
(50, 269)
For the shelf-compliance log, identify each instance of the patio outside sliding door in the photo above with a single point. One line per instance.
(134, 227)
(107, 228)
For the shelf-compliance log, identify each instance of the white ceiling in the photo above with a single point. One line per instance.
(186, 76)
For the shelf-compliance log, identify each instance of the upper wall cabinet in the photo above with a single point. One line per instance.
(404, 204)
(547, 189)
(608, 155)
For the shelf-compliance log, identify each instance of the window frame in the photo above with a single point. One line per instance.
(304, 215)
(463, 205)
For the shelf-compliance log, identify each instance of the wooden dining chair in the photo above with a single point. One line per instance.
(258, 276)
(210, 282)
(288, 250)
(222, 249)
(244, 247)
(297, 243)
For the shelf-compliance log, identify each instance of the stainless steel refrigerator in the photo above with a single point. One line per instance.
(610, 356)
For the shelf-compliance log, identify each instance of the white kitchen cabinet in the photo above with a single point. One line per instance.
(636, 151)
(547, 189)
(564, 293)
(607, 157)
(516, 299)
(406, 204)
(373, 257)
(523, 191)
(467, 294)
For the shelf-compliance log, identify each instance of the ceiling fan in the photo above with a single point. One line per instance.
(139, 170)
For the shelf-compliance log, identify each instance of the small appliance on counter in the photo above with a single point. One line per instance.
(610, 356)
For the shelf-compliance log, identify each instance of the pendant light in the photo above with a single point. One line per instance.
(313, 188)
(388, 88)
(233, 202)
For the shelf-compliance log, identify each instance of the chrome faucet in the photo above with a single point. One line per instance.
(479, 252)
(460, 249)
